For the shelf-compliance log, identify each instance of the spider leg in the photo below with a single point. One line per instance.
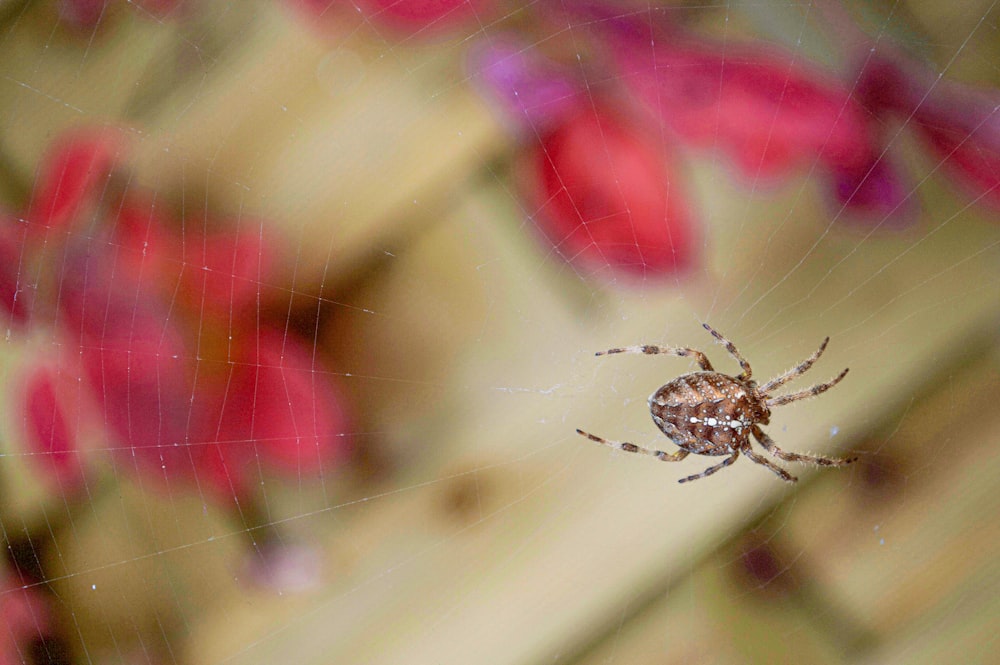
(712, 469)
(796, 371)
(772, 448)
(698, 356)
(807, 393)
(763, 461)
(632, 448)
(732, 351)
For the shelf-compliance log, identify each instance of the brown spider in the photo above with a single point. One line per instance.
(710, 413)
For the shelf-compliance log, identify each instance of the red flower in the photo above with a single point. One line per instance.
(767, 110)
(190, 382)
(607, 196)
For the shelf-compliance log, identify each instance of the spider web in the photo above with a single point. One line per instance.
(393, 177)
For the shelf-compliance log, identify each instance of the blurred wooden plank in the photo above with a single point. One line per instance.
(136, 566)
(918, 541)
(962, 629)
(710, 617)
(563, 533)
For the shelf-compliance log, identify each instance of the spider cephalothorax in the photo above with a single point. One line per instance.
(710, 413)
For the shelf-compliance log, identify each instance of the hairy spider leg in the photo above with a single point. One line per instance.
(712, 469)
(807, 393)
(763, 461)
(648, 350)
(796, 371)
(632, 448)
(772, 448)
(747, 372)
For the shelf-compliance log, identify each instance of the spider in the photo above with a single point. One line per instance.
(710, 413)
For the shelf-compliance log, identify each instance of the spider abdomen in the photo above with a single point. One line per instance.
(706, 413)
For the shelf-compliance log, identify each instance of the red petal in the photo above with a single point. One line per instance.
(15, 295)
(83, 13)
(135, 359)
(50, 426)
(148, 251)
(224, 271)
(73, 175)
(767, 112)
(416, 15)
(406, 17)
(970, 151)
(609, 197)
(24, 617)
(281, 409)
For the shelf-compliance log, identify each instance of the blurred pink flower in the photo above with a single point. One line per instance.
(169, 333)
(771, 113)
(607, 196)
(599, 184)
(134, 357)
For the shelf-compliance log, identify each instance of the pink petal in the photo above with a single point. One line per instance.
(15, 293)
(143, 229)
(609, 197)
(874, 195)
(51, 415)
(225, 271)
(83, 14)
(405, 17)
(278, 409)
(135, 359)
(412, 16)
(73, 175)
(148, 252)
(764, 108)
(24, 617)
